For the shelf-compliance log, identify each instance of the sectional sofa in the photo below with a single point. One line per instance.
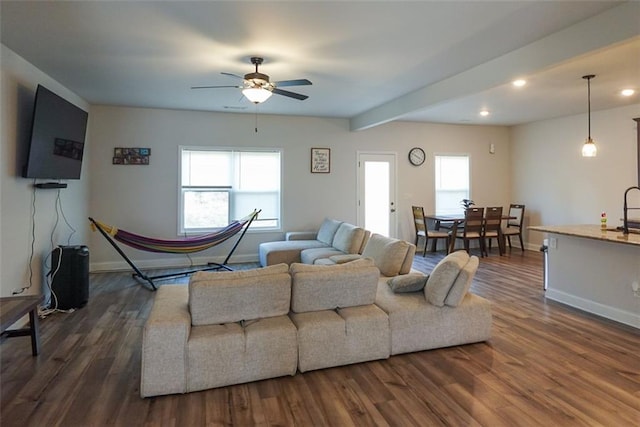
(333, 238)
(233, 327)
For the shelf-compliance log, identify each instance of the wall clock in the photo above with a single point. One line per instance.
(416, 156)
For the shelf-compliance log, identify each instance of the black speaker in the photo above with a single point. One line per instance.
(70, 277)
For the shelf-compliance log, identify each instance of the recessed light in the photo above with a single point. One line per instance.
(519, 82)
(484, 113)
(627, 92)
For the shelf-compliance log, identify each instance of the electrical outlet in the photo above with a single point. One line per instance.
(553, 243)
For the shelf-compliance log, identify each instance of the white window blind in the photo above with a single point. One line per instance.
(452, 183)
(218, 186)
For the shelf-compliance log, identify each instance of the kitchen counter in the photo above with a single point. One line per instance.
(591, 232)
(594, 270)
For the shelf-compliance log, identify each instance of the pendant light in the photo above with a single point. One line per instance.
(589, 148)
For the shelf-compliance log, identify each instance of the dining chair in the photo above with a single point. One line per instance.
(473, 228)
(422, 230)
(514, 226)
(492, 228)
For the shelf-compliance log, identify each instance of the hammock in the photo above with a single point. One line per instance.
(175, 246)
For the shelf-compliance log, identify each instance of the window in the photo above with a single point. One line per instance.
(218, 186)
(452, 183)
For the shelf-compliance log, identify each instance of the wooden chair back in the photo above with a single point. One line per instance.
(517, 211)
(493, 219)
(473, 221)
(418, 220)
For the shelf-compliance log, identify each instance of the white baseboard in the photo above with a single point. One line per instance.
(622, 316)
(181, 262)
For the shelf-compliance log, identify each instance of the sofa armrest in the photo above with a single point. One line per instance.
(301, 235)
(164, 343)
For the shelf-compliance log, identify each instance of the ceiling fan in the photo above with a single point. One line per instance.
(257, 88)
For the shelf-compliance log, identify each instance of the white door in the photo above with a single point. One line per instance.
(377, 192)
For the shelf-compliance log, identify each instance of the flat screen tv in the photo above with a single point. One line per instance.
(57, 138)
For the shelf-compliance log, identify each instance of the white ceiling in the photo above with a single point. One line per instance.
(370, 62)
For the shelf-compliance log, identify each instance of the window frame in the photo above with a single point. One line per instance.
(182, 231)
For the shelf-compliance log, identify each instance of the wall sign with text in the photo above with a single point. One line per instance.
(320, 160)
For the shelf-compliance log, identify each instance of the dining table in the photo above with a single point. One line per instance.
(455, 220)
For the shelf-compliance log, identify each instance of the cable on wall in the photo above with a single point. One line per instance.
(33, 241)
(52, 303)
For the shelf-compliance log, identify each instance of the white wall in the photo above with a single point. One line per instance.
(19, 80)
(558, 185)
(143, 199)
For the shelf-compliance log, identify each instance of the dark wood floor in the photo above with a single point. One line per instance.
(546, 364)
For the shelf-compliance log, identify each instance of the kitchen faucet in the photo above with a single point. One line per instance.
(625, 223)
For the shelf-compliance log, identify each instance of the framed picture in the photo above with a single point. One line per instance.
(320, 160)
(131, 156)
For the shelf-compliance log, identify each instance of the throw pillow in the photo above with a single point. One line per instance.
(463, 283)
(411, 282)
(442, 277)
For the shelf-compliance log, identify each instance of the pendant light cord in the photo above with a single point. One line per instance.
(589, 103)
(588, 78)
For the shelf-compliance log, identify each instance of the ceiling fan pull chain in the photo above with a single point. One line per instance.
(256, 119)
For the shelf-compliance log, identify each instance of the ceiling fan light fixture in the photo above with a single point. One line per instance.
(589, 148)
(256, 95)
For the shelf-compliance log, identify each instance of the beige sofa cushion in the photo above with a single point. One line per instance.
(388, 254)
(328, 230)
(310, 256)
(232, 296)
(220, 355)
(343, 336)
(365, 240)
(288, 251)
(164, 343)
(442, 277)
(417, 325)
(341, 259)
(348, 238)
(326, 287)
(462, 283)
(412, 282)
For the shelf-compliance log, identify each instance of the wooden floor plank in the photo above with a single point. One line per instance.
(546, 364)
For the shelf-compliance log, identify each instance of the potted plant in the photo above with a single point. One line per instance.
(467, 203)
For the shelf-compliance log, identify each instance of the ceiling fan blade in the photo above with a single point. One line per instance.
(290, 94)
(299, 82)
(233, 75)
(213, 87)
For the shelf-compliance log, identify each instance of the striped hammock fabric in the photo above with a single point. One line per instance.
(175, 246)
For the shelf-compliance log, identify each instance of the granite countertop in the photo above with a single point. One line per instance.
(590, 231)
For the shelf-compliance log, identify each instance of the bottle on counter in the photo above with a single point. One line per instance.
(603, 221)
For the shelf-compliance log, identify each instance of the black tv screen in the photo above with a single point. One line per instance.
(57, 138)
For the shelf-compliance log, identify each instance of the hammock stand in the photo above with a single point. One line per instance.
(187, 245)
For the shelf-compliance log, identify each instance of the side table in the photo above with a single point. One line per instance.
(12, 309)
